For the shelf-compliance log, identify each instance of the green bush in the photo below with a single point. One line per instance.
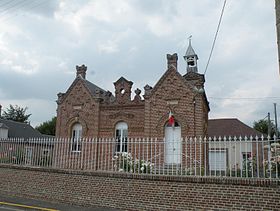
(14, 156)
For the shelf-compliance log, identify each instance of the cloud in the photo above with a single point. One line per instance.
(40, 47)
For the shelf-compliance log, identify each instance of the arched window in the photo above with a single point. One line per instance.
(76, 137)
(121, 137)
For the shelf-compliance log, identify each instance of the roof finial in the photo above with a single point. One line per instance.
(191, 58)
(190, 39)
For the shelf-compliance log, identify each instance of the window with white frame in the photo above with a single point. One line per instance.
(121, 137)
(217, 160)
(76, 137)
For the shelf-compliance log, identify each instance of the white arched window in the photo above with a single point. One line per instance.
(76, 137)
(121, 137)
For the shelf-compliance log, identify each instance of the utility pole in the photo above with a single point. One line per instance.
(269, 125)
(276, 128)
(277, 12)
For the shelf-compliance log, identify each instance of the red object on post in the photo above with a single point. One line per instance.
(171, 120)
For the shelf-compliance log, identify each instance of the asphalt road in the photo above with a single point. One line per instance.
(8, 203)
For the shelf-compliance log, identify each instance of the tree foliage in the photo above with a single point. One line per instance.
(48, 127)
(16, 113)
(262, 126)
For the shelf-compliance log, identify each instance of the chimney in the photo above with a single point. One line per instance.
(81, 70)
(0, 110)
(172, 60)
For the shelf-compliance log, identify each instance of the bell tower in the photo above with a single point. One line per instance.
(123, 90)
(191, 58)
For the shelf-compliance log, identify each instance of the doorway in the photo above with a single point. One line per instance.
(173, 144)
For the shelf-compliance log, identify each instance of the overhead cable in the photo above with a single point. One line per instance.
(215, 38)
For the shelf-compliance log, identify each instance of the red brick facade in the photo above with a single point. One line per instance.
(98, 111)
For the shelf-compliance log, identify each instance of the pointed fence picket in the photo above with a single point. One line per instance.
(248, 157)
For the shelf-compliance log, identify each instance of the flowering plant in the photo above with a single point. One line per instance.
(273, 164)
(124, 162)
(249, 166)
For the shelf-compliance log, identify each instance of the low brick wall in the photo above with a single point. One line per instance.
(140, 192)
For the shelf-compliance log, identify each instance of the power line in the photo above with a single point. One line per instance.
(7, 3)
(265, 117)
(5, 10)
(215, 38)
(34, 6)
(245, 98)
(8, 11)
(253, 98)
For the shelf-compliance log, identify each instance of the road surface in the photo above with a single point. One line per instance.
(12, 203)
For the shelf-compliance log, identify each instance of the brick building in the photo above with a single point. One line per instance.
(86, 110)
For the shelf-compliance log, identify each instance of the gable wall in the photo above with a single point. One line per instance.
(172, 93)
(78, 106)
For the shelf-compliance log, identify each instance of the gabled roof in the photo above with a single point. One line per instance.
(20, 130)
(2, 125)
(92, 88)
(122, 79)
(230, 127)
(190, 51)
(164, 76)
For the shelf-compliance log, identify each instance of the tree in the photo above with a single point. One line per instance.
(48, 127)
(16, 113)
(262, 126)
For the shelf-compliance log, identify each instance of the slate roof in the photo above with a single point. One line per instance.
(123, 79)
(93, 89)
(2, 125)
(230, 127)
(20, 130)
(190, 51)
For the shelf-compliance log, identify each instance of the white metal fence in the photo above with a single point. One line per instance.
(254, 157)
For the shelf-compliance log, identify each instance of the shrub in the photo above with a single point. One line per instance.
(124, 162)
(272, 166)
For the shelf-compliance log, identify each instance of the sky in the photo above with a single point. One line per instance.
(41, 42)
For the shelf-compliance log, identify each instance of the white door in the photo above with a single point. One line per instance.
(173, 144)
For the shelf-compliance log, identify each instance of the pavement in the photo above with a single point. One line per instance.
(8, 203)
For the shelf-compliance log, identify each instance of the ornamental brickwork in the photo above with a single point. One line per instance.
(98, 111)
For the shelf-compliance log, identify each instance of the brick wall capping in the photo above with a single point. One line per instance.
(259, 182)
